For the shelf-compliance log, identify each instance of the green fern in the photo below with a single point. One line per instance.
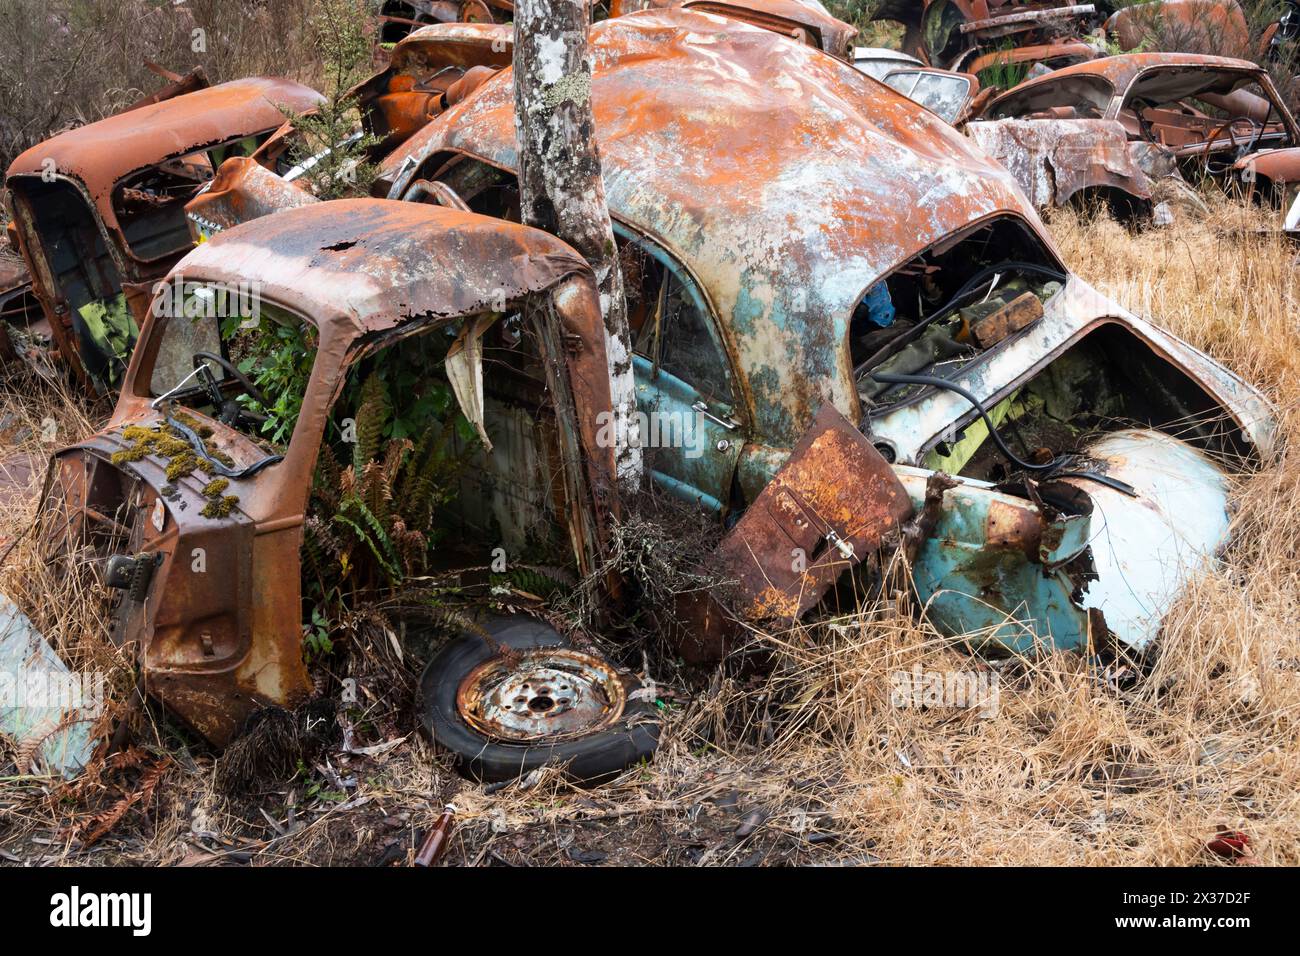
(375, 541)
(543, 582)
(372, 413)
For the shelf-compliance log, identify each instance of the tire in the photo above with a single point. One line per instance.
(591, 758)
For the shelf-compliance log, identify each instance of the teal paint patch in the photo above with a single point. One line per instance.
(993, 593)
(1065, 539)
(772, 416)
(746, 313)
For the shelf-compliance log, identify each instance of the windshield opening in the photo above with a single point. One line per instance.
(944, 94)
(150, 204)
(67, 236)
(233, 357)
(947, 307)
(1199, 113)
(1071, 97)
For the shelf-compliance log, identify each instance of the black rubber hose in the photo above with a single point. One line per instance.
(893, 379)
(1008, 266)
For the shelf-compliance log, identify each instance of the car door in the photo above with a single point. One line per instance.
(686, 399)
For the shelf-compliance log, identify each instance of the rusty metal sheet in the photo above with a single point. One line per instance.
(427, 72)
(1047, 53)
(195, 79)
(240, 191)
(464, 45)
(782, 264)
(1276, 166)
(400, 18)
(1054, 159)
(356, 266)
(823, 513)
(807, 20)
(948, 33)
(1033, 16)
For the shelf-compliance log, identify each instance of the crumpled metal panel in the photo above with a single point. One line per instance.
(833, 34)
(1054, 159)
(1001, 570)
(1277, 166)
(453, 44)
(400, 98)
(785, 260)
(365, 265)
(241, 190)
(1035, 53)
(980, 572)
(1147, 549)
(820, 515)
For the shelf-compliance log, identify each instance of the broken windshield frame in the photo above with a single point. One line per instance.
(222, 340)
(942, 93)
(1193, 96)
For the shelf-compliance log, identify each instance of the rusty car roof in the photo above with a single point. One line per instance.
(809, 13)
(101, 153)
(786, 181)
(367, 265)
(1122, 69)
(454, 44)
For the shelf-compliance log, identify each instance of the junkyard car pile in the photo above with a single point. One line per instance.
(856, 312)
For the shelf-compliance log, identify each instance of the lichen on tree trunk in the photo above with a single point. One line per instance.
(560, 185)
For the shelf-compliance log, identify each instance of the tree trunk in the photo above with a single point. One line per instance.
(560, 185)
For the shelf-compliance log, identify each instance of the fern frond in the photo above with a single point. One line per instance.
(372, 413)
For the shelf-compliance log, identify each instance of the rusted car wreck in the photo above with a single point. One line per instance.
(1124, 125)
(99, 226)
(850, 367)
(429, 70)
(398, 19)
(99, 210)
(1005, 41)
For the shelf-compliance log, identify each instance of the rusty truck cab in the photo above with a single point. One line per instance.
(99, 210)
(184, 503)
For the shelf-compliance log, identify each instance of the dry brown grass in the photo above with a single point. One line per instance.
(811, 754)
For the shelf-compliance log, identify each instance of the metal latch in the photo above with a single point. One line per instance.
(726, 423)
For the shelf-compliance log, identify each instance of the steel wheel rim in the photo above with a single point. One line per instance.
(546, 693)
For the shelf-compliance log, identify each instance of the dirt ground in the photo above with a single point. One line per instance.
(802, 761)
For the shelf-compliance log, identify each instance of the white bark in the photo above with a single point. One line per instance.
(560, 185)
